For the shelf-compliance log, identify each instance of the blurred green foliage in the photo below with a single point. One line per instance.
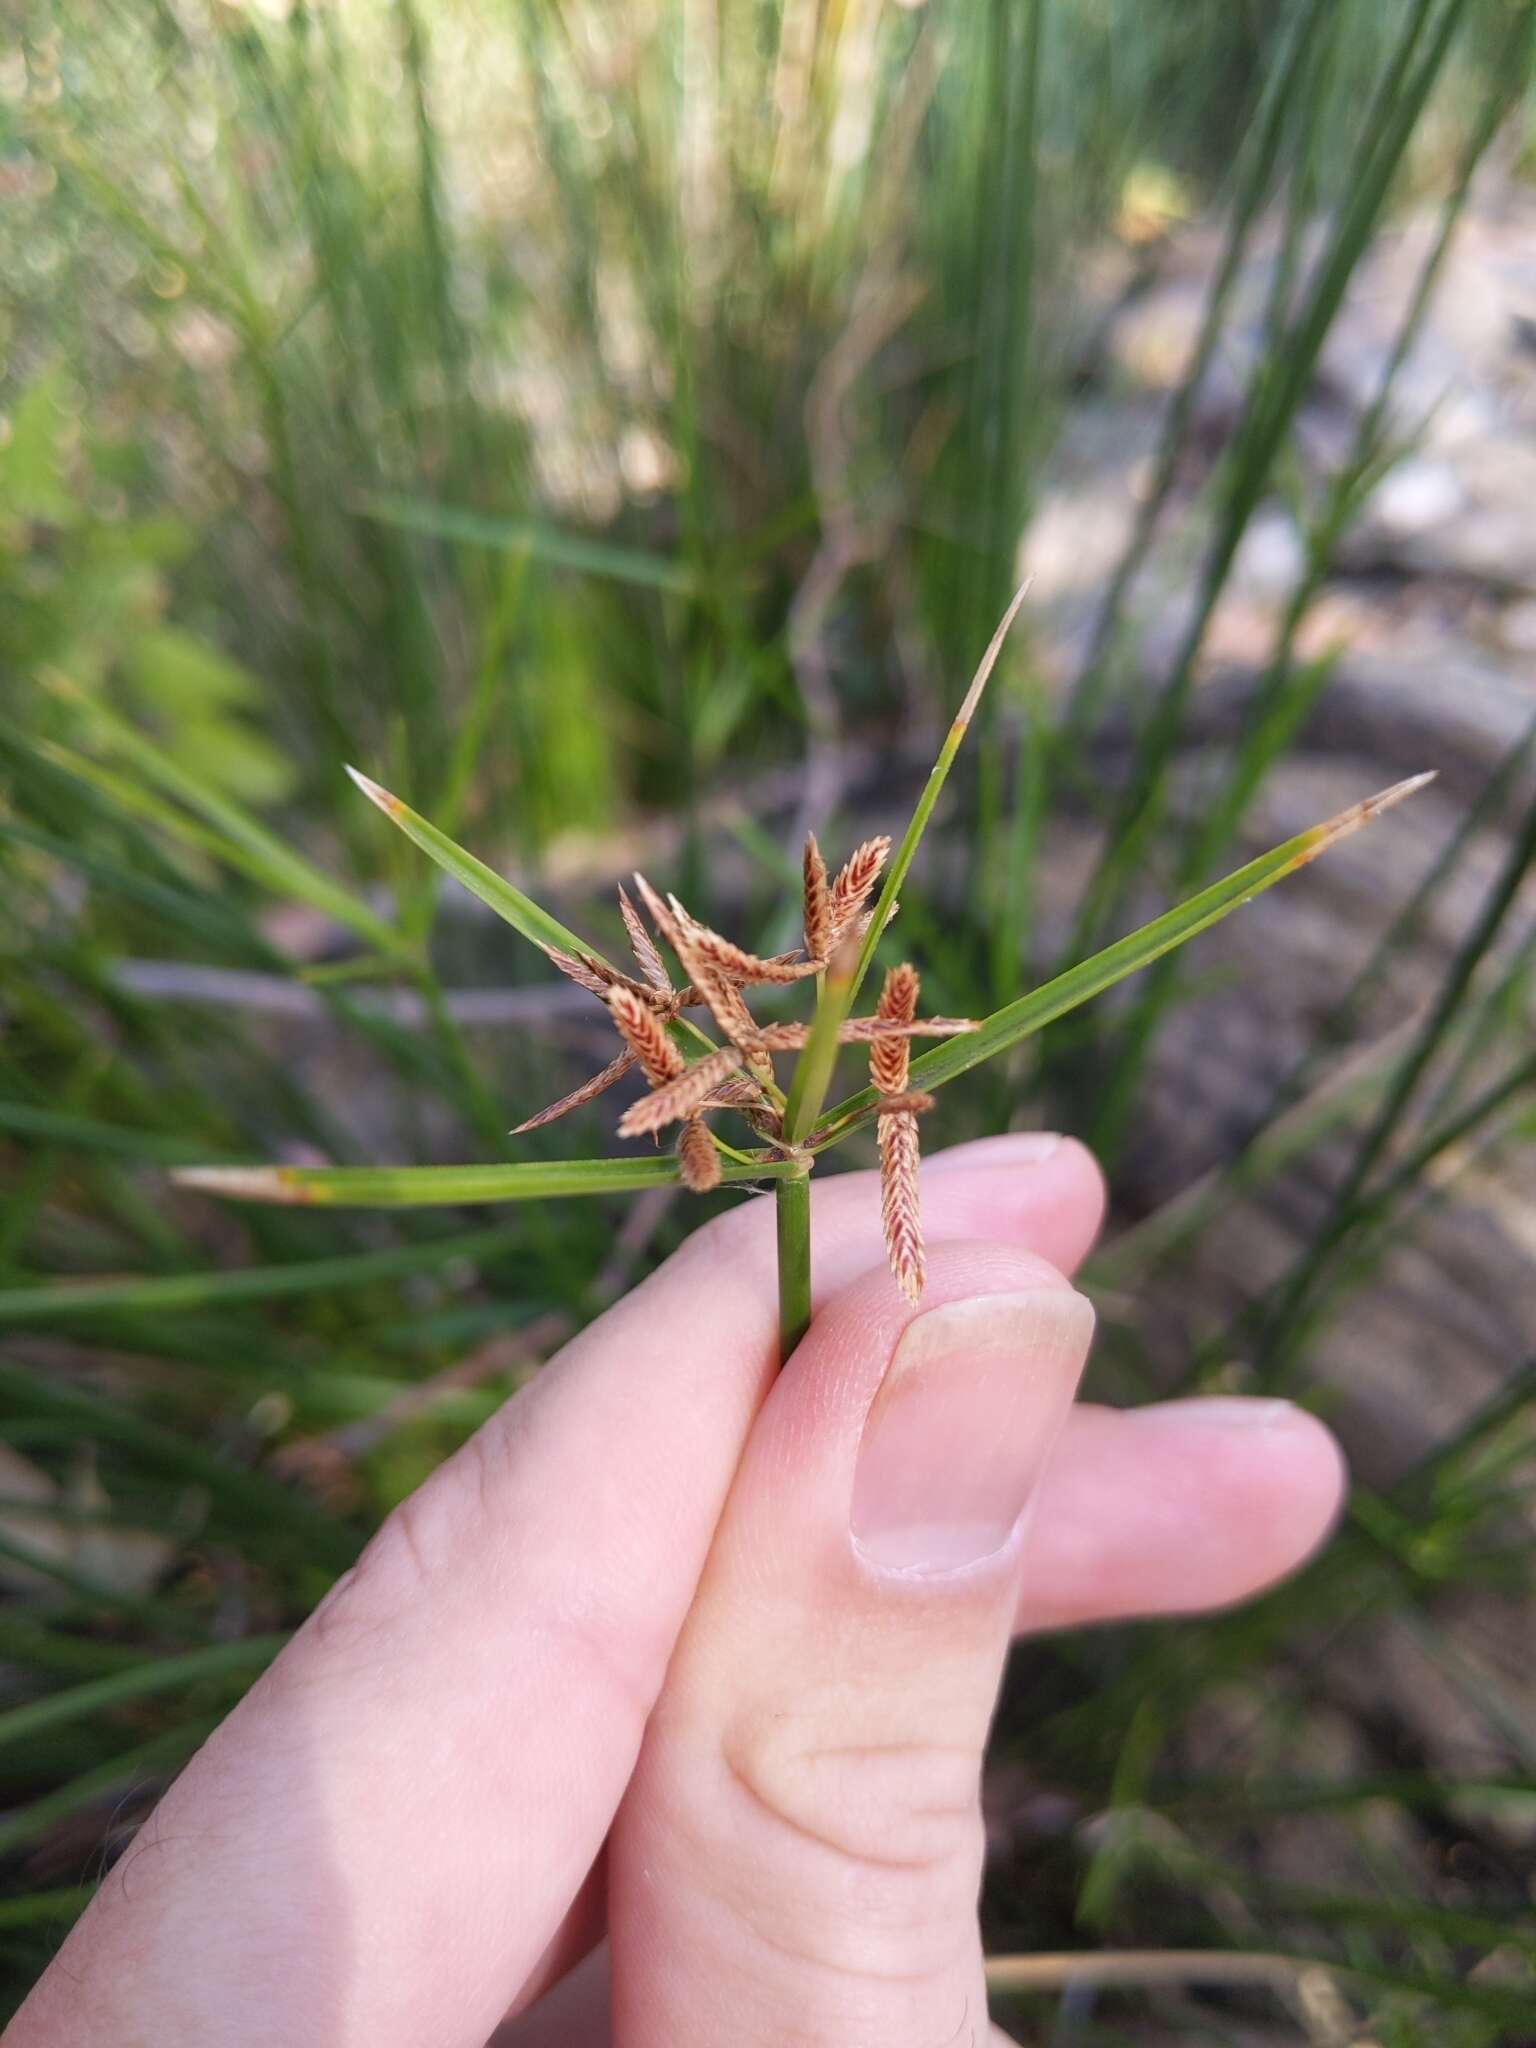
(578, 417)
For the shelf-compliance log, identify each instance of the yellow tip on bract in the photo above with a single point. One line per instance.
(388, 804)
(246, 1183)
(1406, 787)
(1333, 830)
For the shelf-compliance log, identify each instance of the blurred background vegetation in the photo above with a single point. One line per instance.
(618, 430)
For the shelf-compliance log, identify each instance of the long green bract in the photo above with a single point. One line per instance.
(1053, 999)
(402, 1187)
(495, 891)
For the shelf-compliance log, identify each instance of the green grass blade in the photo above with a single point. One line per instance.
(1261, 155)
(265, 854)
(1502, 895)
(544, 543)
(495, 891)
(405, 1187)
(813, 1070)
(240, 1498)
(1286, 1137)
(213, 922)
(159, 1293)
(1275, 392)
(162, 1674)
(1042, 1006)
(152, 1760)
(87, 1134)
(43, 1909)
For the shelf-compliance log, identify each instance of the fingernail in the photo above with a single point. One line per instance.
(962, 1426)
(1219, 1411)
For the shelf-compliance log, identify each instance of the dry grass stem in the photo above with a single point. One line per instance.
(818, 903)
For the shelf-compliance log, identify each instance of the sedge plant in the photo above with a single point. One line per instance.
(692, 1076)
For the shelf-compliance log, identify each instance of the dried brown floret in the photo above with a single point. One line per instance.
(897, 1135)
(818, 903)
(680, 1098)
(643, 946)
(697, 1159)
(739, 1074)
(734, 963)
(862, 1031)
(586, 974)
(889, 1061)
(587, 1092)
(855, 879)
(646, 1036)
(913, 1103)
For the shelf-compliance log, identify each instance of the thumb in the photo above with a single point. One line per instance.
(799, 1854)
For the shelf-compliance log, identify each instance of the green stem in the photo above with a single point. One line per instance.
(792, 1205)
(840, 986)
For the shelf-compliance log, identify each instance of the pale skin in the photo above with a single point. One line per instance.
(656, 1715)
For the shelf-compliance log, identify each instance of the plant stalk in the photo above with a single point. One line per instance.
(792, 1206)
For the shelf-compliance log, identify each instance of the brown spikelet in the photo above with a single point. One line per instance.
(646, 1036)
(655, 909)
(862, 1031)
(857, 876)
(586, 973)
(585, 1093)
(697, 1159)
(719, 994)
(879, 1030)
(741, 1093)
(818, 902)
(725, 1005)
(897, 1135)
(735, 963)
(782, 1037)
(680, 1098)
(643, 946)
(889, 1057)
(708, 985)
(913, 1103)
(896, 1132)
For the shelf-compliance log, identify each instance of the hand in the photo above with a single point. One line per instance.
(745, 1631)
